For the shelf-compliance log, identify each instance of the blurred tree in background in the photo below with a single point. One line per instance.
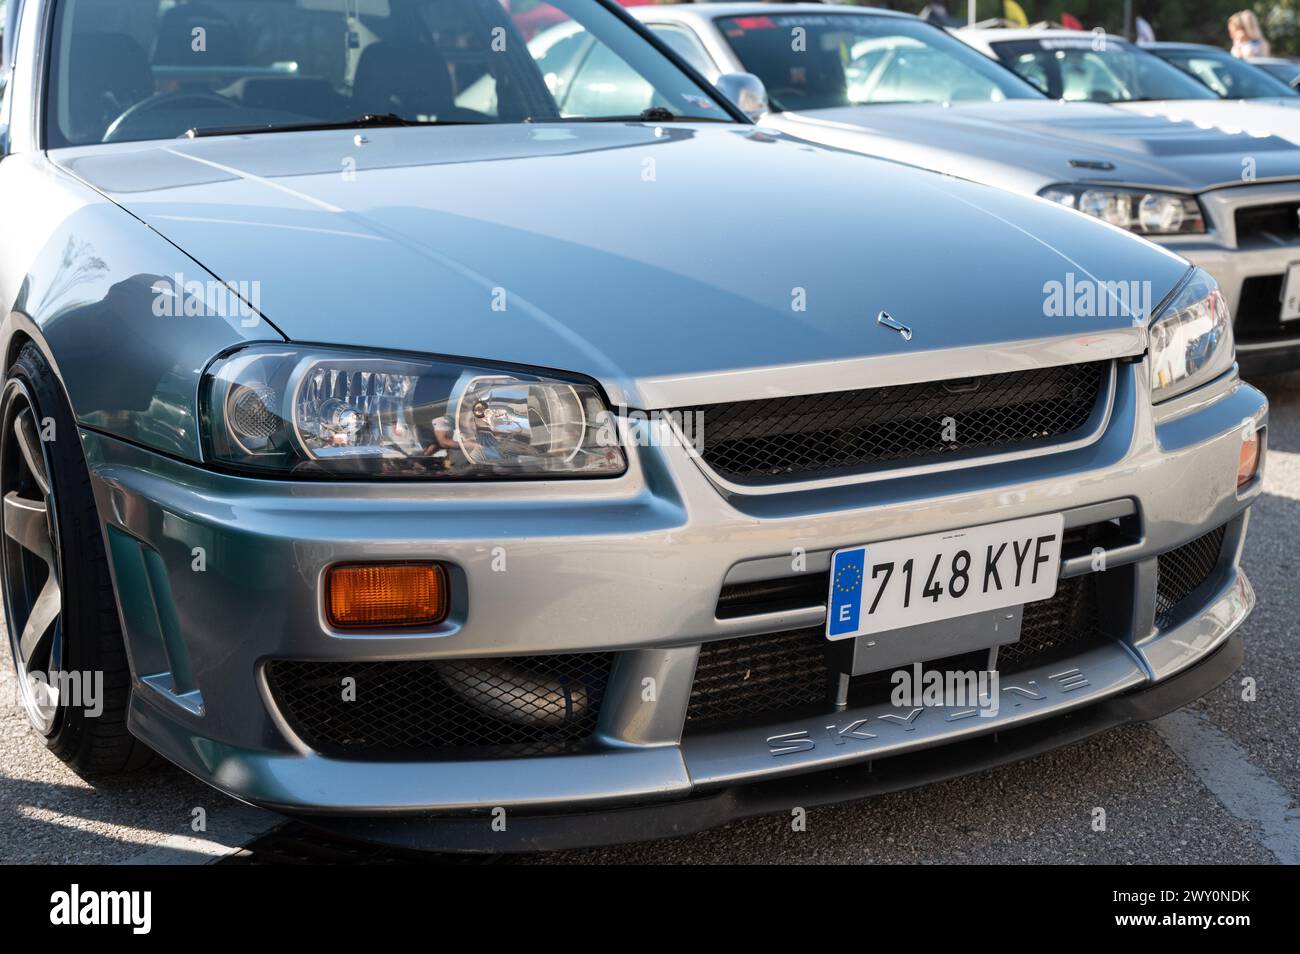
(1196, 21)
(1281, 22)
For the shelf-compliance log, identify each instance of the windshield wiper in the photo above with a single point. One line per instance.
(655, 114)
(357, 122)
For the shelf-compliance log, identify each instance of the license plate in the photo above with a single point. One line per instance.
(1291, 293)
(884, 586)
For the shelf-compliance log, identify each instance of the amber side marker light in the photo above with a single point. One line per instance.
(380, 595)
(1248, 458)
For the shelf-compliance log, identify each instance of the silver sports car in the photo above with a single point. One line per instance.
(891, 85)
(406, 434)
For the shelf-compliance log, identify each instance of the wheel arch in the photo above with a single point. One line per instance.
(18, 332)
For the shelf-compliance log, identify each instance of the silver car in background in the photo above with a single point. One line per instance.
(1224, 74)
(1286, 70)
(890, 85)
(402, 456)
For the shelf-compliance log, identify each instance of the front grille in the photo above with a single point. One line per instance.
(1279, 222)
(1181, 571)
(506, 706)
(783, 673)
(814, 435)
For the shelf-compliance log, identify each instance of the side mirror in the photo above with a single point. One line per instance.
(745, 90)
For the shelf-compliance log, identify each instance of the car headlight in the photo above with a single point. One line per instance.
(1146, 213)
(325, 412)
(1191, 339)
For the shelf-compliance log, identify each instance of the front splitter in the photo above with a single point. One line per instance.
(476, 832)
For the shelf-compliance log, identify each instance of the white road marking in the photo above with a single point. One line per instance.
(230, 830)
(1248, 793)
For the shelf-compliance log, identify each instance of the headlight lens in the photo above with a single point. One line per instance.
(322, 412)
(1146, 213)
(1191, 340)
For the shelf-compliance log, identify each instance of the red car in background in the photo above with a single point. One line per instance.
(534, 16)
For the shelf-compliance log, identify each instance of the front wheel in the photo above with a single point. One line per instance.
(60, 612)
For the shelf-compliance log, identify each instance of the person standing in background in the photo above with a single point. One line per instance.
(1247, 37)
(937, 12)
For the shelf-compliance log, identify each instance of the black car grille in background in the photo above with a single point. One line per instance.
(505, 706)
(1259, 310)
(786, 672)
(812, 435)
(1273, 224)
(1181, 571)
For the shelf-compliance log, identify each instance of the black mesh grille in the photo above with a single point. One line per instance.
(772, 673)
(785, 672)
(1181, 571)
(797, 437)
(520, 705)
(1065, 622)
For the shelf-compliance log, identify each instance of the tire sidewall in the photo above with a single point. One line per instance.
(68, 479)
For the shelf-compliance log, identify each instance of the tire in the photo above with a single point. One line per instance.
(86, 636)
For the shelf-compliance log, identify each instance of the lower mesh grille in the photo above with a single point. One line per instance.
(739, 677)
(507, 706)
(1063, 622)
(784, 672)
(1181, 571)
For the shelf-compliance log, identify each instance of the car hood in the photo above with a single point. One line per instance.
(641, 256)
(1255, 117)
(1027, 144)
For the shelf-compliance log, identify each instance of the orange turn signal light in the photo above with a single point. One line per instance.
(380, 595)
(1248, 459)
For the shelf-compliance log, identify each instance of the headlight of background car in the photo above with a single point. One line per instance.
(321, 412)
(1146, 213)
(1191, 339)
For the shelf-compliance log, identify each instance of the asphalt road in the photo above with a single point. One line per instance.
(1216, 782)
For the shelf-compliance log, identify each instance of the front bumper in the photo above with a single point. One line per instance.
(1251, 270)
(558, 830)
(218, 575)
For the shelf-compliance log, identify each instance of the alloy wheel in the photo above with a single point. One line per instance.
(30, 553)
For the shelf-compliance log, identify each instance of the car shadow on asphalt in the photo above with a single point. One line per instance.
(45, 821)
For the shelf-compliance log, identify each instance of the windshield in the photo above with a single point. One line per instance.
(1228, 76)
(148, 69)
(823, 60)
(1097, 69)
(1280, 69)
